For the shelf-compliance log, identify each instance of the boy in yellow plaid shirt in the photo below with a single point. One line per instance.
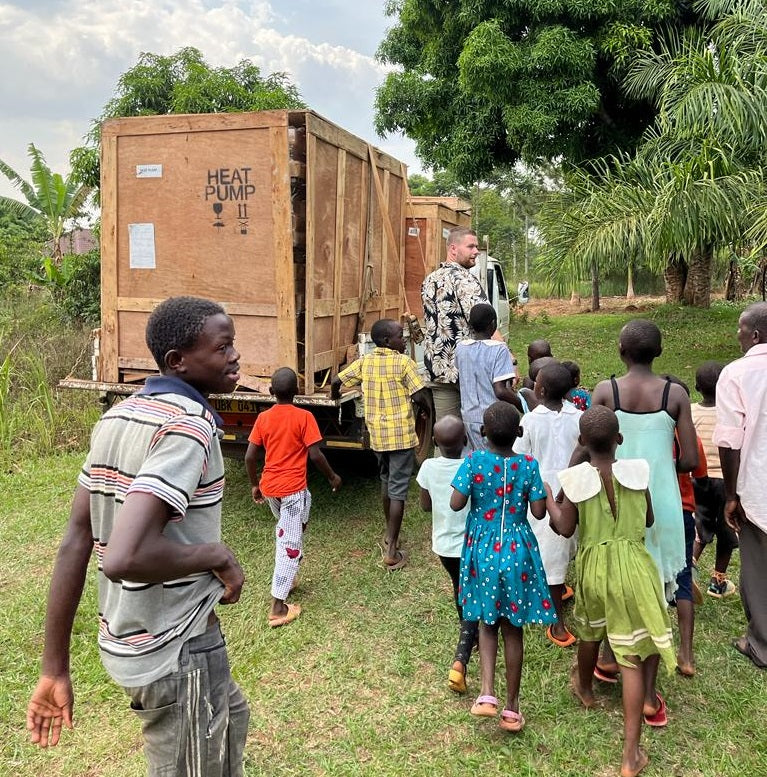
(390, 383)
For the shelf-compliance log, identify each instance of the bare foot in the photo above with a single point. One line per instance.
(584, 695)
(685, 667)
(632, 767)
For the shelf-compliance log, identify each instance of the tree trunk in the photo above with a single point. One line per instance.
(675, 276)
(697, 288)
(732, 287)
(594, 287)
(630, 281)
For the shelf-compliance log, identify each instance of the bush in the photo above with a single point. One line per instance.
(76, 285)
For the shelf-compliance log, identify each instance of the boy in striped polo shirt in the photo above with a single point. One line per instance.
(390, 383)
(148, 504)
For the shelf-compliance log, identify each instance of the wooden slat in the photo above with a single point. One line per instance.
(147, 305)
(108, 369)
(192, 122)
(311, 159)
(327, 307)
(338, 252)
(282, 249)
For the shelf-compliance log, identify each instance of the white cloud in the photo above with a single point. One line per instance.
(62, 60)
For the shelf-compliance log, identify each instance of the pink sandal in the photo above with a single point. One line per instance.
(485, 707)
(512, 721)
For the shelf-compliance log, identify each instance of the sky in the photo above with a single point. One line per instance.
(61, 60)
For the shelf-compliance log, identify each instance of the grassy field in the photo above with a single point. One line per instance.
(357, 686)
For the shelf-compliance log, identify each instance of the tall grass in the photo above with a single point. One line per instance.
(39, 347)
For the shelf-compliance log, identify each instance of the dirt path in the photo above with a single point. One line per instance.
(564, 307)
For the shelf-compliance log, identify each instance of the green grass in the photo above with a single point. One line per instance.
(358, 685)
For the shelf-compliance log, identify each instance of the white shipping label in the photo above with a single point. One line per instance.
(413, 231)
(141, 240)
(148, 171)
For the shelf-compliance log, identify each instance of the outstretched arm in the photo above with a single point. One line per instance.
(563, 516)
(319, 461)
(254, 462)
(51, 703)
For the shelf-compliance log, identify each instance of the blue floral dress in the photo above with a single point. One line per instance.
(501, 569)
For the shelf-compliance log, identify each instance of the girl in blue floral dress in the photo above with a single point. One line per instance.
(503, 584)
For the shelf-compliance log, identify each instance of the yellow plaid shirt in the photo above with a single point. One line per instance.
(388, 380)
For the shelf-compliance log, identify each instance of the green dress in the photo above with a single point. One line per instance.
(618, 593)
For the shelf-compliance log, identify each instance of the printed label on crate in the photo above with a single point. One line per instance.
(445, 233)
(228, 189)
(413, 231)
(148, 171)
(141, 242)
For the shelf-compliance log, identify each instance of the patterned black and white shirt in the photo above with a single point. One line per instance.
(448, 294)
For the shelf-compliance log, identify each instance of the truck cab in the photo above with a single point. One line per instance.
(489, 273)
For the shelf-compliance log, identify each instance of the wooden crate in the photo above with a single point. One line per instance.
(293, 224)
(428, 220)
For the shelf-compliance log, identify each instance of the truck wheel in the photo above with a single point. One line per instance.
(424, 421)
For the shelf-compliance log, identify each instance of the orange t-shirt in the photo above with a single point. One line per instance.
(685, 478)
(286, 432)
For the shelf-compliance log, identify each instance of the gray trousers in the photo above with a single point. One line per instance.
(447, 399)
(753, 590)
(194, 721)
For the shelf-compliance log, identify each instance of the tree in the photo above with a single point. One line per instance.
(184, 83)
(486, 83)
(696, 183)
(50, 198)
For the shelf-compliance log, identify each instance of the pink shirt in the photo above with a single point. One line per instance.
(741, 424)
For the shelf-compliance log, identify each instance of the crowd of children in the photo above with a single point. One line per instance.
(529, 478)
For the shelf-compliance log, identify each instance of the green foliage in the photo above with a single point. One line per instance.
(696, 184)
(184, 83)
(485, 83)
(49, 197)
(75, 285)
(39, 347)
(22, 244)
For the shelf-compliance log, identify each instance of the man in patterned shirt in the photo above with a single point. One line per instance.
(448, 294)
(148, 507)
(390, 384)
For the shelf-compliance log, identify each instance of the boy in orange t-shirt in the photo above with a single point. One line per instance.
(288, 434)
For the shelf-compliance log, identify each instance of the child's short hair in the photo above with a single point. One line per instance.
(556, 379)
(175, 325)
(382, 329)
(501, 424)
(538, 349)
(599, 428)
(483, 318)
(537, 365)
(678, 381)
(449, 433)
(640, 340)
(575, 371)
(707, 376)
(284, 383)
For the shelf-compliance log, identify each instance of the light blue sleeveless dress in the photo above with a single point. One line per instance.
(650, 436)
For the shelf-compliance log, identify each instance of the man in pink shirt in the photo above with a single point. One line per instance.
(741, 435)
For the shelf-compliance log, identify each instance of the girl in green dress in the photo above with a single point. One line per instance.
(618, 590)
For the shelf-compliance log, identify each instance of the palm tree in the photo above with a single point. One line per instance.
(697, 182)
(49, 197)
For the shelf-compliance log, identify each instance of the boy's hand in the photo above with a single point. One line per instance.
(50, 706)
(233, 578)
(734, 516)
(258, 497)
(335, 482)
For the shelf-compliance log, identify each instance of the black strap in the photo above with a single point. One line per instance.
(666, 389)
(616, 399)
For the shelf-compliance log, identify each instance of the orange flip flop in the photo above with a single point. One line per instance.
(570, 639)
(294, 610)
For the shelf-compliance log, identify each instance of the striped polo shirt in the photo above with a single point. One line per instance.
(165, 444)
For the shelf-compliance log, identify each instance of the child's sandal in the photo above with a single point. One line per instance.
(485, 707)
(512, 721)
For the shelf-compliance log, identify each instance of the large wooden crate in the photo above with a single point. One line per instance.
(293, 224)
(428, 221)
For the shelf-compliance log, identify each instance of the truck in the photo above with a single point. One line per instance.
(303, 232)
